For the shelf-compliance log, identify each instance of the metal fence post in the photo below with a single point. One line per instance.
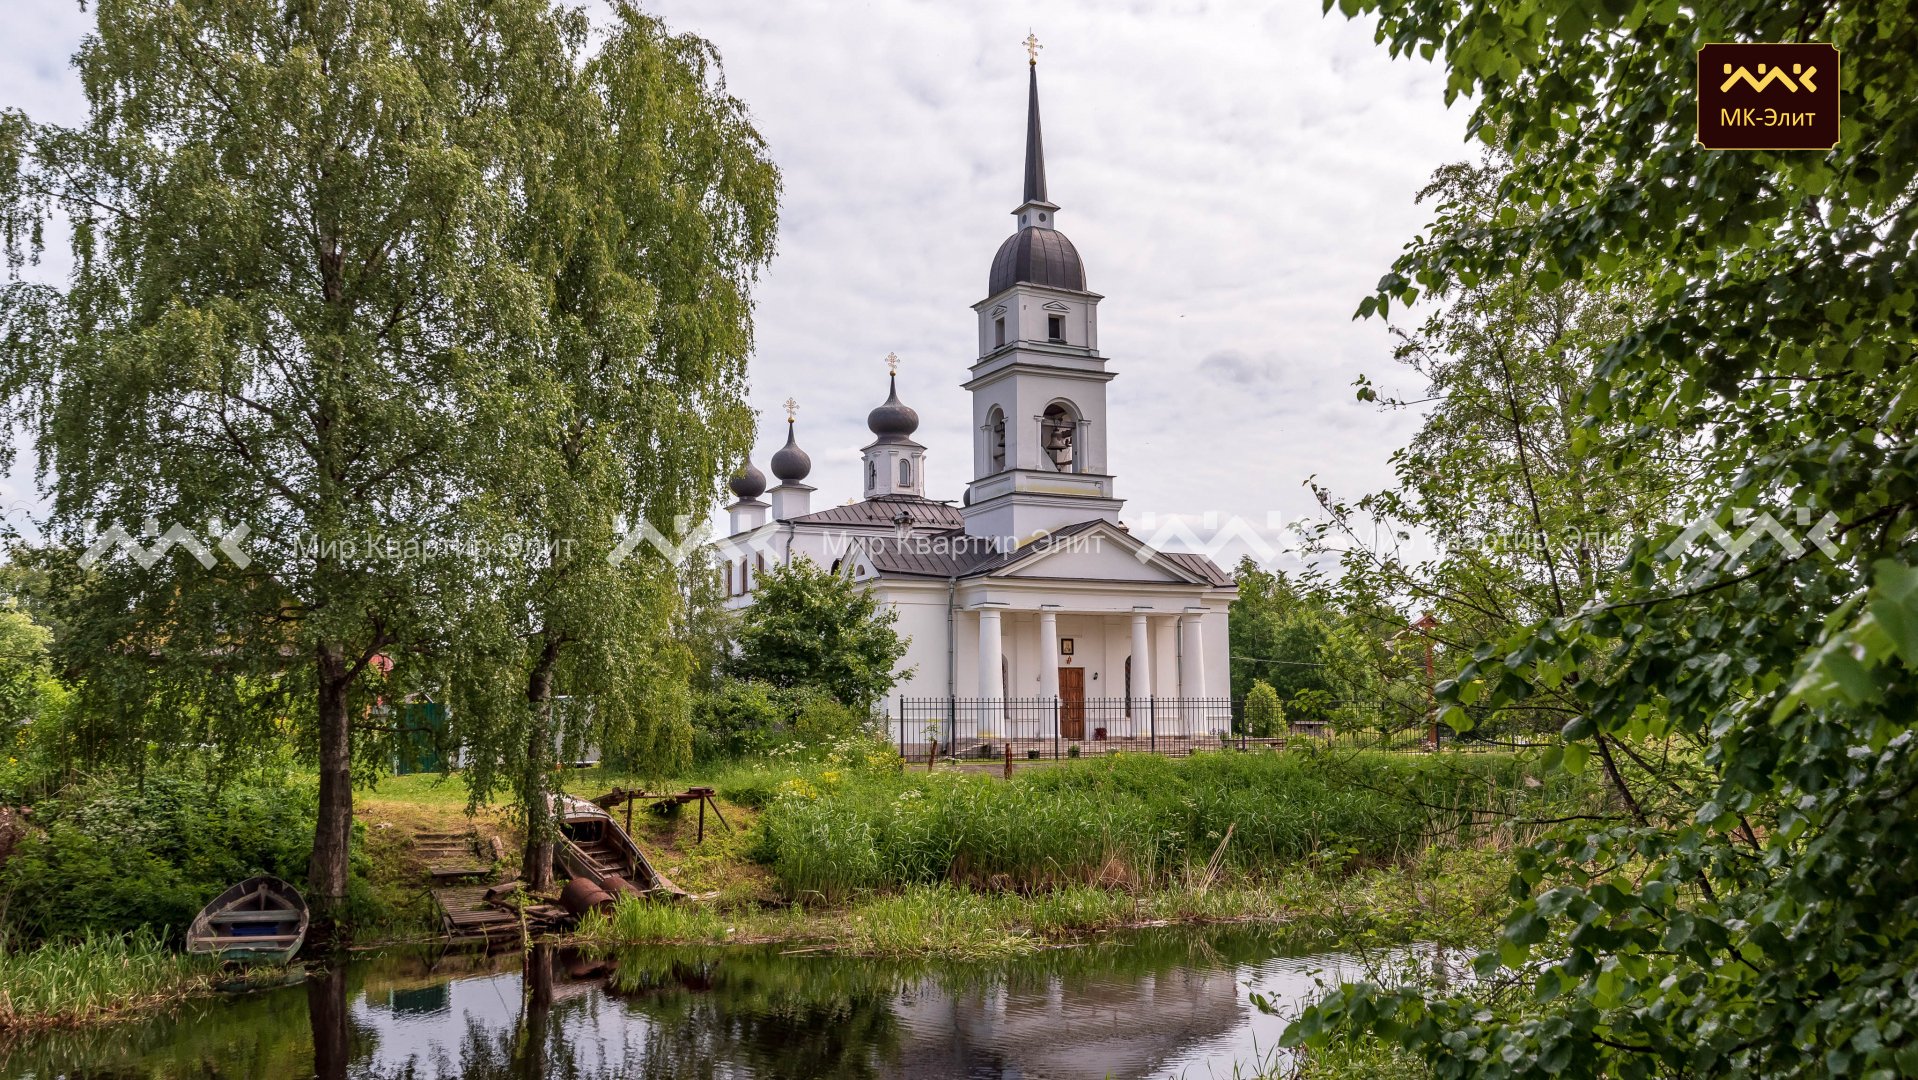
(1152, 724)
(902, 727)
(1057, 718)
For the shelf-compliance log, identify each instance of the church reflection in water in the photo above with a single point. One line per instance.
(1154, 1004)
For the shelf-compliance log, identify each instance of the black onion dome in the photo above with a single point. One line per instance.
(750, 483)
(894, 419)
(791, 464)
(1037, 256)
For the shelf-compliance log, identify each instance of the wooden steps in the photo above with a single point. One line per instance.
(451, 857)
(464, 912)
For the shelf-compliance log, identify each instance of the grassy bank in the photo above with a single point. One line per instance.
(1129, 822)
(1447, 896)
(97, 978)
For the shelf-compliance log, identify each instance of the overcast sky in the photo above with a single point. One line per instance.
(1235, 176)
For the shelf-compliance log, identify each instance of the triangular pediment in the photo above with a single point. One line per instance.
(1101, 552)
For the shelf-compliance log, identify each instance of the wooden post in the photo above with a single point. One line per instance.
(1008, 759)
(629, 813)
(702, 820)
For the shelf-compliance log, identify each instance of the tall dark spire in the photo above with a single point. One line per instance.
(1035, 145)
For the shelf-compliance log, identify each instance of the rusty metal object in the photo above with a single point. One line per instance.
(581, 896)
(618, 886)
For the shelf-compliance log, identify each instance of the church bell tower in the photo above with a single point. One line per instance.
(1038, 387)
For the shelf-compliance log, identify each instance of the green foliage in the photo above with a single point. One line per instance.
(809, 627)
(123, 853)
(423, 294)
(742, 717)
(1264, 716)
(1122, 820)
(650, 208)
(1756, 913)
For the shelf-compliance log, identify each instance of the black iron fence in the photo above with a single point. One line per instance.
(1051, 728)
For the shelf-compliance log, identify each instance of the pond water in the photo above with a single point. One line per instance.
(1166, 1003)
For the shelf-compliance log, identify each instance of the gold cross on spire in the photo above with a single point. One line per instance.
(1032, 47)
(792, 410)
(892, 363)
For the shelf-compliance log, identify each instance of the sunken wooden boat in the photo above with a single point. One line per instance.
(592, 846)
(260, 920)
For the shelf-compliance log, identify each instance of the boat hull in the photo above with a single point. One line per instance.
(261, 920)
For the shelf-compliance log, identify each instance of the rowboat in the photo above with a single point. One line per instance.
(260, 920)
(593, 846)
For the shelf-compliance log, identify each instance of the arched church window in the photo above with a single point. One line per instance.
(872, 474)
(1128, 687)
(1058, 430)
(996, 436)
(905, 471)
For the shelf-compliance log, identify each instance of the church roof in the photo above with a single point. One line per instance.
(1037, 256)
(1202, 566)
(1035, 144)
(883, 510)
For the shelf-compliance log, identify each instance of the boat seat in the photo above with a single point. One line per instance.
(249, 942)
(277, 915)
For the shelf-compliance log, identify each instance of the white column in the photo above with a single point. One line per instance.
(1192, 659)
(991, 654)
(1193, 677)
(1165, 656)
(1048, 653)
(1141, 672)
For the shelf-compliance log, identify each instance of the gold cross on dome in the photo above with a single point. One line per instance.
(892, 363)
(1032, 47)
(792, 410)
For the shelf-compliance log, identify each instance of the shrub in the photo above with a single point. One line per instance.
(115, 855)
(1264, 716)
(738, 717)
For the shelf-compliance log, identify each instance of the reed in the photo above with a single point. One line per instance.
(98, 977)
(1133, 822)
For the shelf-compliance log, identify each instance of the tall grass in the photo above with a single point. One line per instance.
(1452, 897)
(1131, 821)
(98, 977)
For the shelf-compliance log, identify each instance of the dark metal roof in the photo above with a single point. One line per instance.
(750, 483)
(1202, 566)
(1035, 146)
(791, 463)
(885, 510)
(1037, 257)
(895, 419)
(946, 554)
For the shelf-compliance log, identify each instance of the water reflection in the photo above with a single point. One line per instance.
(1164, 1003)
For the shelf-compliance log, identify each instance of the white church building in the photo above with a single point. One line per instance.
(1035, 619)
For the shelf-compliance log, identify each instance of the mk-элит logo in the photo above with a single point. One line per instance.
(1768, 97)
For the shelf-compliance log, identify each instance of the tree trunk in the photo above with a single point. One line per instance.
(536, 787)
(326, 873)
